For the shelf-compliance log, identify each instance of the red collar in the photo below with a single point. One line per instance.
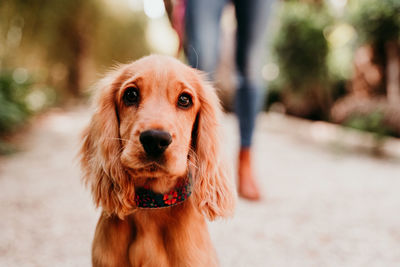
(146, 198)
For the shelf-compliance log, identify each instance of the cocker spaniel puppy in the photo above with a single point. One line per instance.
(151, 156)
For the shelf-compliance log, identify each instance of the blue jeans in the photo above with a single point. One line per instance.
(202, 49)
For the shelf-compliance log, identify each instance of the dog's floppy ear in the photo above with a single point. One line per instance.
(100, 154)
(213, 188)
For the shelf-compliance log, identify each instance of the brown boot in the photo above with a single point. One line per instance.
(247, 185)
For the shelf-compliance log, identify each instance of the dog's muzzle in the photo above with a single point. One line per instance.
(155, 142)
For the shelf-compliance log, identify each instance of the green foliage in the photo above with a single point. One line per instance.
(300, 46)
(372, 122)
(376, 21)
(13, 108)
(301, 51)
(20, 98)
(65, 42)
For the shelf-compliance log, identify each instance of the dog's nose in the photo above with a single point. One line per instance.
(155, 142)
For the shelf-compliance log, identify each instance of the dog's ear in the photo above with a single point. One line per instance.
(213, 186)
(101, 151)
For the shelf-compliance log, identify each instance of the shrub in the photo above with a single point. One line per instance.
(301, 51)
(372, 122)
(300, 46)
(13, 108)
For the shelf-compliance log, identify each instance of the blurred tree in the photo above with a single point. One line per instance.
(378, 24)
(376, 82)
(301, 51)
(62, 40)
(58, 30)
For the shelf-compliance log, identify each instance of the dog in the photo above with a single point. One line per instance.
(152, 158)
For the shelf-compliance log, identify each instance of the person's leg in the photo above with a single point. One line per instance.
(202, 26)
(252, 16)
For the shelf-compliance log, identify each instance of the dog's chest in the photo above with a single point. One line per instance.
(179, 239)
(148, 247)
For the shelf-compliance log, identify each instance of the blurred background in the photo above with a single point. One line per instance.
(332, 76)
(335, 61)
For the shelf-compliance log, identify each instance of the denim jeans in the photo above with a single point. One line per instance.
(202, 24)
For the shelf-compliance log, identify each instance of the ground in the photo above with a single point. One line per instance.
(323, 205)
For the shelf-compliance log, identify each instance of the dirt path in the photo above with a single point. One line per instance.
(322, 207)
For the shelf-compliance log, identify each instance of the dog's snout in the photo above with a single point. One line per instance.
(155, 142)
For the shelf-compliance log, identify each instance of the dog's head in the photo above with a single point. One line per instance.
(155, 120)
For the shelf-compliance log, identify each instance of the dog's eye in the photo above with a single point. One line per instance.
(131, 96)
(185, 100)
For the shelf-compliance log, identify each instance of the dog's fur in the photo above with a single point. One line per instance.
(115, 163)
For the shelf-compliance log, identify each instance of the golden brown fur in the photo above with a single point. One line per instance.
(115, 163)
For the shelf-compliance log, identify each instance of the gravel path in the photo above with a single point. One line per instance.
(322, 206)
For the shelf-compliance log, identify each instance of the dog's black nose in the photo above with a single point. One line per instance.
(155, 142)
